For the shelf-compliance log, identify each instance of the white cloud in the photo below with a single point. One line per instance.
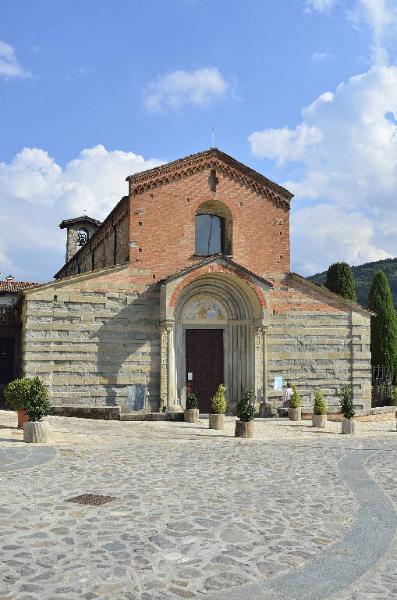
(321, 6)
(346, 144)
(36, 194)
(318, 57)
(381, 17)
(324, 234)
(9, 66)
(181, 88)
(285, 144)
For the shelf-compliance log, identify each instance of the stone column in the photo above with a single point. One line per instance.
(168, 375)
(163, 367)
(261, 366)
(171, 367)
(264, 367)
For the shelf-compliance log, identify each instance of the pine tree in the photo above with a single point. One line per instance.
(383, 325)
(340, 280)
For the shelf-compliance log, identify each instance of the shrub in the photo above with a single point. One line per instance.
(383, 324)
(346, 401)
(38, 405)
(340, 280)
(245, 408)
(192, 401)
(320, 405)
(218, 401)
(394, 395)
(16, 393)
(295, 400)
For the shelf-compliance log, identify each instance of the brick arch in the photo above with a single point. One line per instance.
(216, 268)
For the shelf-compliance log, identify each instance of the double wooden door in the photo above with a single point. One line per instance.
(204, 364)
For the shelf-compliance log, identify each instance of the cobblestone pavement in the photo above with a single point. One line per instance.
(197, 513)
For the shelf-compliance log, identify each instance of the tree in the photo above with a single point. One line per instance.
(383, 325)
(340, 280)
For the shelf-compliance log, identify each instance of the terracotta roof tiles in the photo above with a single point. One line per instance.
(13, 287)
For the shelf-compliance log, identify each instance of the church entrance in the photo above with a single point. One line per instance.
(204, 364)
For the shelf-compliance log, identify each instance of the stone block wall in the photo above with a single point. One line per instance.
(93, 338)
(317, 342)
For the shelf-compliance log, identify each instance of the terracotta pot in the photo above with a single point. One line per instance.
(191, 415)
(36, 432)
(349, 426)
(244, 429)
(216, 421)
(295, 414)
(22, 418)
(319, 420)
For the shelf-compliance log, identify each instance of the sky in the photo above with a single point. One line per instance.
(304, 91)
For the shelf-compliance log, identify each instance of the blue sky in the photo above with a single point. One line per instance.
(92, 91)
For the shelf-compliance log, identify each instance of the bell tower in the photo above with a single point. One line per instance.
(79, 231)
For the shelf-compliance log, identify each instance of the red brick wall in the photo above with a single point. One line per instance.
(162, 226)
(103, 250)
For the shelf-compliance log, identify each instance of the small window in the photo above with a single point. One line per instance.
(82, 237)
(209, 235)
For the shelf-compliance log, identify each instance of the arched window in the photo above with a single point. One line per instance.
(209, 230)
(213, 229)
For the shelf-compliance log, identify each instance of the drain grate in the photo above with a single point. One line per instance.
(92, 499)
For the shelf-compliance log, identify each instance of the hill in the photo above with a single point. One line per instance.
(363, 275)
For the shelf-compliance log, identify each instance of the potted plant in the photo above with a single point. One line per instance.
(319, 410)
(245, 411)
(16, 397)
(218, 404)
(35, 430)
(295, 410)
(347, 409)
(191, 413)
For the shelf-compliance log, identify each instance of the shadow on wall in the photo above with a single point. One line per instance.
(128, 355)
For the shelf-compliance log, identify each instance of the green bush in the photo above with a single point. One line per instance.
(394, 395)
(245, 408)
(192, 401)
(16, 393)
(295, 400)
(320, 405)
(383, 324)
(30, 395)
(340, 280)
(346, 401)
(218, 401)
(38, 402)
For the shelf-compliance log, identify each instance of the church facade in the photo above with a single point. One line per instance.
(186, 285)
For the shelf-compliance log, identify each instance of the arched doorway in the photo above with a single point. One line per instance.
(217, 317)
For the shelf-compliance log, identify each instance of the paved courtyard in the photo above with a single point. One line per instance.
(295, 514)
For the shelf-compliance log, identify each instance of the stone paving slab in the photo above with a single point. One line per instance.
(198, 514)
(341, 564)
(14, 459)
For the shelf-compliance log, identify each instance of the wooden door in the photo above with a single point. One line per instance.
(204, 364)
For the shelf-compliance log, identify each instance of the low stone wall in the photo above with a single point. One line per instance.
(383, 413)
(88, 412)
(163, 416)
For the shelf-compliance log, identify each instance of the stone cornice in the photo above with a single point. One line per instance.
(209, 159)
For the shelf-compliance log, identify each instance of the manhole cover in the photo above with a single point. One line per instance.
(92, 499)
